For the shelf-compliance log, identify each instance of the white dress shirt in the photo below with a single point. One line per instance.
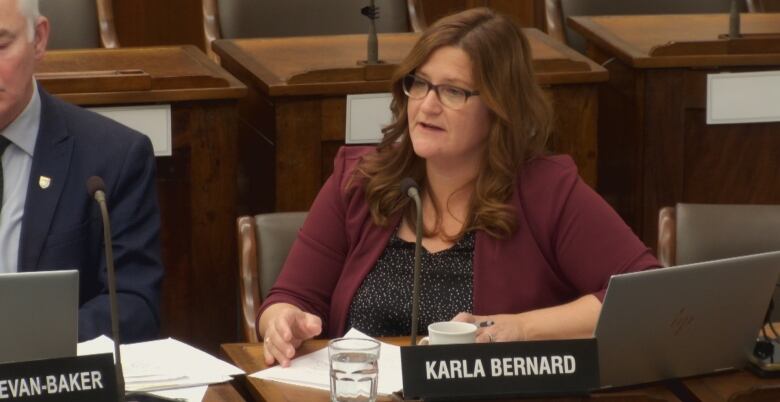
(17, 162)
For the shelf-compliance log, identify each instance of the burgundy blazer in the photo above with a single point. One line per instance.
(567, 244)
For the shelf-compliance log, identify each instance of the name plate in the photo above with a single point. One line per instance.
(84, 378)
(502, 369)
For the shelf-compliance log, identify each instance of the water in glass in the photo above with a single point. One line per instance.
(353, 376)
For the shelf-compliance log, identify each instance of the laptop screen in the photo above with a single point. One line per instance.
(685, 320)
(39, 315)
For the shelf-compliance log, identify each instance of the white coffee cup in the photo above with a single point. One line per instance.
(449, 332)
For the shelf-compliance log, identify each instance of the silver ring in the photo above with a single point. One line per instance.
(490, 337)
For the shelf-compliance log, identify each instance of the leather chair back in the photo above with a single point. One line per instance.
(231, 19)
(763, 6)
(570, 8)
(690, 233)
(79, 24)
(74, 23)
(263, 244)
(714, 231)
(266, 18)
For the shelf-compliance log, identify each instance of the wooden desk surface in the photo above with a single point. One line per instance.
(249, 357)
(223, 393)
(135, 75)
(737, 386)
(329, 64)
(651, 41)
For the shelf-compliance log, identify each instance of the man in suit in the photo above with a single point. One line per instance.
(48, 220)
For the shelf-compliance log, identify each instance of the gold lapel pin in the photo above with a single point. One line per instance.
(44, 182)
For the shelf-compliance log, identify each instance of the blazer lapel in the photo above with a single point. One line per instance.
(51, 162)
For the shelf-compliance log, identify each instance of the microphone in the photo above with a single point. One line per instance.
(97, 190)
(410, 188)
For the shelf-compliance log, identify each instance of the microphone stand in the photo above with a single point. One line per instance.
(734, 20)
(412, 192)
(373, 43)
(372, 13)
(100, 196)
(96, 189)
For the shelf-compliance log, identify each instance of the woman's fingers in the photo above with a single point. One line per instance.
(306, 326)
(271, 353)
(464, 317)
(286, 333)
(486, 336)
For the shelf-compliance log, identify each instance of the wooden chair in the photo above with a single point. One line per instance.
(78, 24)
(263, 244)
(559, 10)
(269, 18)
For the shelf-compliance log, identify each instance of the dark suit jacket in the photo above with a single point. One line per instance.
(62, 229)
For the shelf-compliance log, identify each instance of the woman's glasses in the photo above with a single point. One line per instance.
(451, 96)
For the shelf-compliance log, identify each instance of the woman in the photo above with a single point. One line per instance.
(510, 235)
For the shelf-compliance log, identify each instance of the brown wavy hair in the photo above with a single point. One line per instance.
(520, 118)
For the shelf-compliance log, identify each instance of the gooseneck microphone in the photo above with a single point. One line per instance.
(97, 190)
(410, 188)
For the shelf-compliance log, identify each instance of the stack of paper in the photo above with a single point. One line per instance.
(165, 364)
(312, 370)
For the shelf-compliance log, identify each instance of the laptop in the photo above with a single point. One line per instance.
(685, 320)
(38, 315)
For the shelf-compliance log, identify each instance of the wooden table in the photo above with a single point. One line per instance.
(293, 120)
(223, 393)
(737, 386)
(655, 147)
(196, 185)
(249, 357)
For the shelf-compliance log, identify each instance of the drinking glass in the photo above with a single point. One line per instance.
(354, 369)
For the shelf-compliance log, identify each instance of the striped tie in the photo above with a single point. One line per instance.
(4, 142)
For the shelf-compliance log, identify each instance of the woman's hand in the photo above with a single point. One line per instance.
(505, 328)
(285, 328)
(573, 320)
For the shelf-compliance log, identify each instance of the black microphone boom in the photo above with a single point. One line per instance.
(97, 190)
(409, 187)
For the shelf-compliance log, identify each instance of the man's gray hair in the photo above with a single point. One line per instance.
(30, 11)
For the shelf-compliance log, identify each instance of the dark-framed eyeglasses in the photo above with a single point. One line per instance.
(450, 96)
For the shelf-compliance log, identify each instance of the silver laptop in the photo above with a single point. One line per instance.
(38, 315)
(685, 320)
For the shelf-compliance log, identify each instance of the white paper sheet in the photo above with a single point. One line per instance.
(193, 394)
(312, 370)
(165, 364)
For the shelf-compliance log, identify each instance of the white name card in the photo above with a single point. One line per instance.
(367, 114)
(152, 120)
(743, 97)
